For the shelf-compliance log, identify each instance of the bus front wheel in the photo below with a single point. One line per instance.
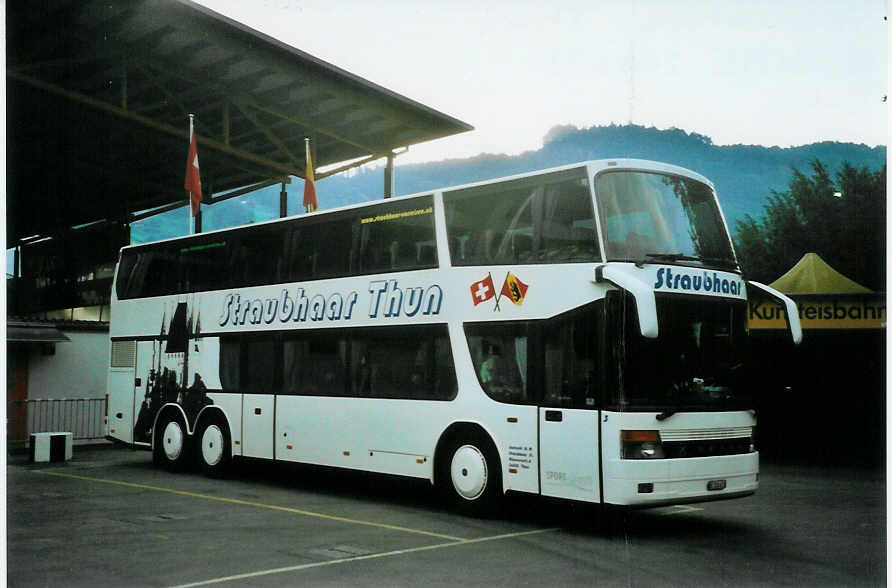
(470, 476)
(214, 448)
(171, 446)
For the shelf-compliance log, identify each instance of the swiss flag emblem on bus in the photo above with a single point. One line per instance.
(483, 290)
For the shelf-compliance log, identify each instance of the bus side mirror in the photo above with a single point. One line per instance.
(793, 322)
(627, 279)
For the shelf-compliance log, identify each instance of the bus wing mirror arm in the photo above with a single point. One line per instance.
(789, 305)
(626, 278)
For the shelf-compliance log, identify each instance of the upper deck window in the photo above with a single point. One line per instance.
(387, 237)
(542, 219)
(648, 216)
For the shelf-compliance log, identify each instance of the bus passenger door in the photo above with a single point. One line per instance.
(257, 428)
(568, 453)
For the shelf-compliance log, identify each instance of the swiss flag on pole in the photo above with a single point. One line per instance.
(483, 290)
(193, 178)
(310, 203)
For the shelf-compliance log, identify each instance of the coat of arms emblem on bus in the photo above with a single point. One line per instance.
(512, 287)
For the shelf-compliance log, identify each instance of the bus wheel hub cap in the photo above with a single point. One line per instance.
(173, 440)
(468, 472)
(212, 445)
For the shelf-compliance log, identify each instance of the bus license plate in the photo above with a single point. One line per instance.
(715, 485)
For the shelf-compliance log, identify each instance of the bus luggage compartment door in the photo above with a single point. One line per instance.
(568, 453)
(258, 411)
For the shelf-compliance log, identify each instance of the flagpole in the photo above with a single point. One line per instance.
(498, 296)
(190, 227)
(310, 201)
(306, 158)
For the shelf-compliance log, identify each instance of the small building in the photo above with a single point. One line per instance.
(56, 372)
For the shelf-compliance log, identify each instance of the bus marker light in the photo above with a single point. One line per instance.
(641, 436)
(512, 419)
(641, 445)
(237, 442)
(512, 470)
(289, 446)
(346, 453)
(420, 460)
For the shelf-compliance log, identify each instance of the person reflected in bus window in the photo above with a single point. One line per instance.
(365, 377)
(492, 370)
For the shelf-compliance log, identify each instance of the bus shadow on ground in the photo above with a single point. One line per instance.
(412, 493)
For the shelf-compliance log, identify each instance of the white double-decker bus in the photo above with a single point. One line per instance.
(577, 333)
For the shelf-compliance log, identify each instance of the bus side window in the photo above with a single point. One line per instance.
(230, 364)
(529, 220)
(500, 352)
(571, 353)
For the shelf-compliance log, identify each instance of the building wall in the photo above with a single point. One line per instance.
(78, 368)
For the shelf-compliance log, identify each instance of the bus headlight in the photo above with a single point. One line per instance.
(641, 445)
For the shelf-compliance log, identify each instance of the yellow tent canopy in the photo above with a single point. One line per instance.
(812, 275)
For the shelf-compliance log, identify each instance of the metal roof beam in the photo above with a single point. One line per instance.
(160, 126)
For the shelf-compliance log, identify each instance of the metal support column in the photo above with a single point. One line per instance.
(283, 201)
(388, 177)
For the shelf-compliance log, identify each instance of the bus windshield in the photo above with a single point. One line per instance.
(697, 362)
(649, 216)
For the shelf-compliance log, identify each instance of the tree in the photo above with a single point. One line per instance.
(843, 222)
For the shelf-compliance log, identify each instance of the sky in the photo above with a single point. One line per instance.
(741, 72)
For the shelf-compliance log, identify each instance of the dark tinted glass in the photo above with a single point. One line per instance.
(391, 362)
(393, 236)
(543, 219)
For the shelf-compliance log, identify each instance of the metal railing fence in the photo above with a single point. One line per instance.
(83, 417)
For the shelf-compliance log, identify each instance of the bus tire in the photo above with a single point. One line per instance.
(469, 474)
(171, 447)
(213, 446)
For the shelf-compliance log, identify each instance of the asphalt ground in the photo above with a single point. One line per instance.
(109, 518)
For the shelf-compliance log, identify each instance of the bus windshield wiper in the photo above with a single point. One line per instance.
(665, 415)
(665, 257)
(681, 257)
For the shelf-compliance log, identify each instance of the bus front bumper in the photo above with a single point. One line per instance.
(660, 482)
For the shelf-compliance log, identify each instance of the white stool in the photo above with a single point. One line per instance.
(50, 446)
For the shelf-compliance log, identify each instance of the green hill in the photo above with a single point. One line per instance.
(744, 175)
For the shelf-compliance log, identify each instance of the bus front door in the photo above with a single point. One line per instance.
(568, 453)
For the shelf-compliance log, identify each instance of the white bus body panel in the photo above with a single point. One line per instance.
(568, 452)
(677, 480)
(120, 402)
(258, 416)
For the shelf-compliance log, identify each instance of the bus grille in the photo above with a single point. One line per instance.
(705, 434)
(707, 447)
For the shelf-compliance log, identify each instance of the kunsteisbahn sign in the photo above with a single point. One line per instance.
(843, 311)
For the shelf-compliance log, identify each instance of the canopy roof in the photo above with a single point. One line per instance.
(98, 97)
(812, 275)
(33, 332)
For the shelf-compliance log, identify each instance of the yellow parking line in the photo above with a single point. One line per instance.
(332, 562)
(297, 511)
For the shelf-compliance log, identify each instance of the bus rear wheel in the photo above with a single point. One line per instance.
(171, 444)
(214, 448)
(469, 475)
